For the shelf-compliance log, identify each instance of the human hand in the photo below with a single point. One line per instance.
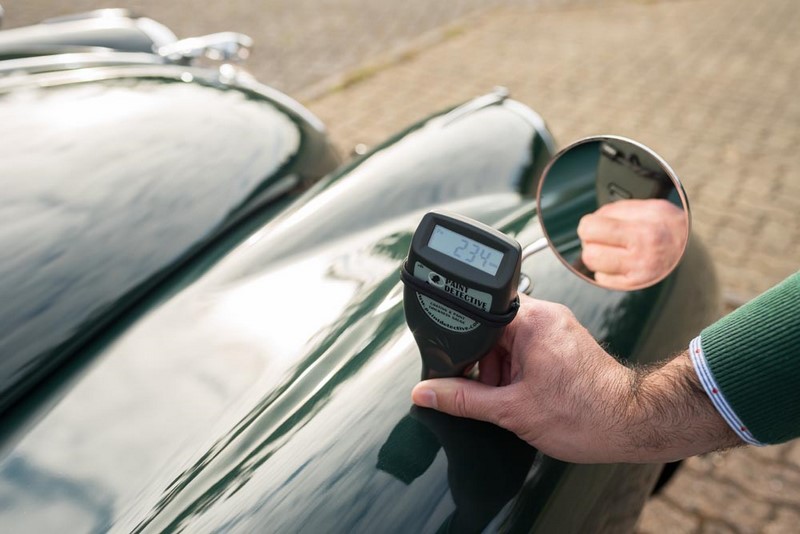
(633, 243)
(550, 383)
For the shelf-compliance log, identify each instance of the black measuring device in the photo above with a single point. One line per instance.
(461, 278)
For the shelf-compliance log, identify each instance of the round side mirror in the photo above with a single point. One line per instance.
(614, 212)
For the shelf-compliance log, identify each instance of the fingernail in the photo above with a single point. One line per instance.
(425, 398)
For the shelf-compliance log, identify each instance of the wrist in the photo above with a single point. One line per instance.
(670, 417)
(617, 409)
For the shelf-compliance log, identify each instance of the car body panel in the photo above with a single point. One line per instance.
(111, 183)
(268, 388)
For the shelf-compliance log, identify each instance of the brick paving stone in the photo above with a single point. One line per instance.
(661, 516)
(764, 481)
(793, 455)
(785, 520)
(776, 453)
(717, 527)
(703, 465)
(705, 497)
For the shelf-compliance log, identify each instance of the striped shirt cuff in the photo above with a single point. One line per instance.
(715, 394)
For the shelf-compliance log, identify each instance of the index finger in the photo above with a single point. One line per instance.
(595, 228)
(635, 208)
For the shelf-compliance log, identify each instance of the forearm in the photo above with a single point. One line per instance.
(549, 382)
(739, 384)
(671, 417)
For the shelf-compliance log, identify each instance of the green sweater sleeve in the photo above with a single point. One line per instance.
(754, 356)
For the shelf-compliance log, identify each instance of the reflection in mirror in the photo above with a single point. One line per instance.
(614, 212)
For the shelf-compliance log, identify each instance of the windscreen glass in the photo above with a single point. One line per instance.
(465, 250)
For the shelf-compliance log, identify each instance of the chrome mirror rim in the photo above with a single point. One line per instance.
(673, 176)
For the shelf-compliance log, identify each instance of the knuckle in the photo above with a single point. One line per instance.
(562, 323)
(584, 225)
(460, 403)
(564, 313)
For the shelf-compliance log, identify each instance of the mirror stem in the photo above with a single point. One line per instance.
(537, 246)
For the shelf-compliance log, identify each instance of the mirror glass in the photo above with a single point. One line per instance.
(614, 212)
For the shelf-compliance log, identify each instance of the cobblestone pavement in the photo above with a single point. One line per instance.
(710, 84)
(297, 42)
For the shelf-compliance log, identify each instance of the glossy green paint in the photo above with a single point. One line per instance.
(269, 389)
(112, 183)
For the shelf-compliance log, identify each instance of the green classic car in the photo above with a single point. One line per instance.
(202, 326)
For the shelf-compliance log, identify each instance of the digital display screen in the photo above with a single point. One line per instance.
(465, 250)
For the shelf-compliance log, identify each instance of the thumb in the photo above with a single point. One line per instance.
(459, 397)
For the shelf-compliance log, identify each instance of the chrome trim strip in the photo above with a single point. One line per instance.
(110, 72)
(106, 13)
(498, 95)
(57, 62)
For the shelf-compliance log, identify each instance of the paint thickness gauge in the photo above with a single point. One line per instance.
(461, 280)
